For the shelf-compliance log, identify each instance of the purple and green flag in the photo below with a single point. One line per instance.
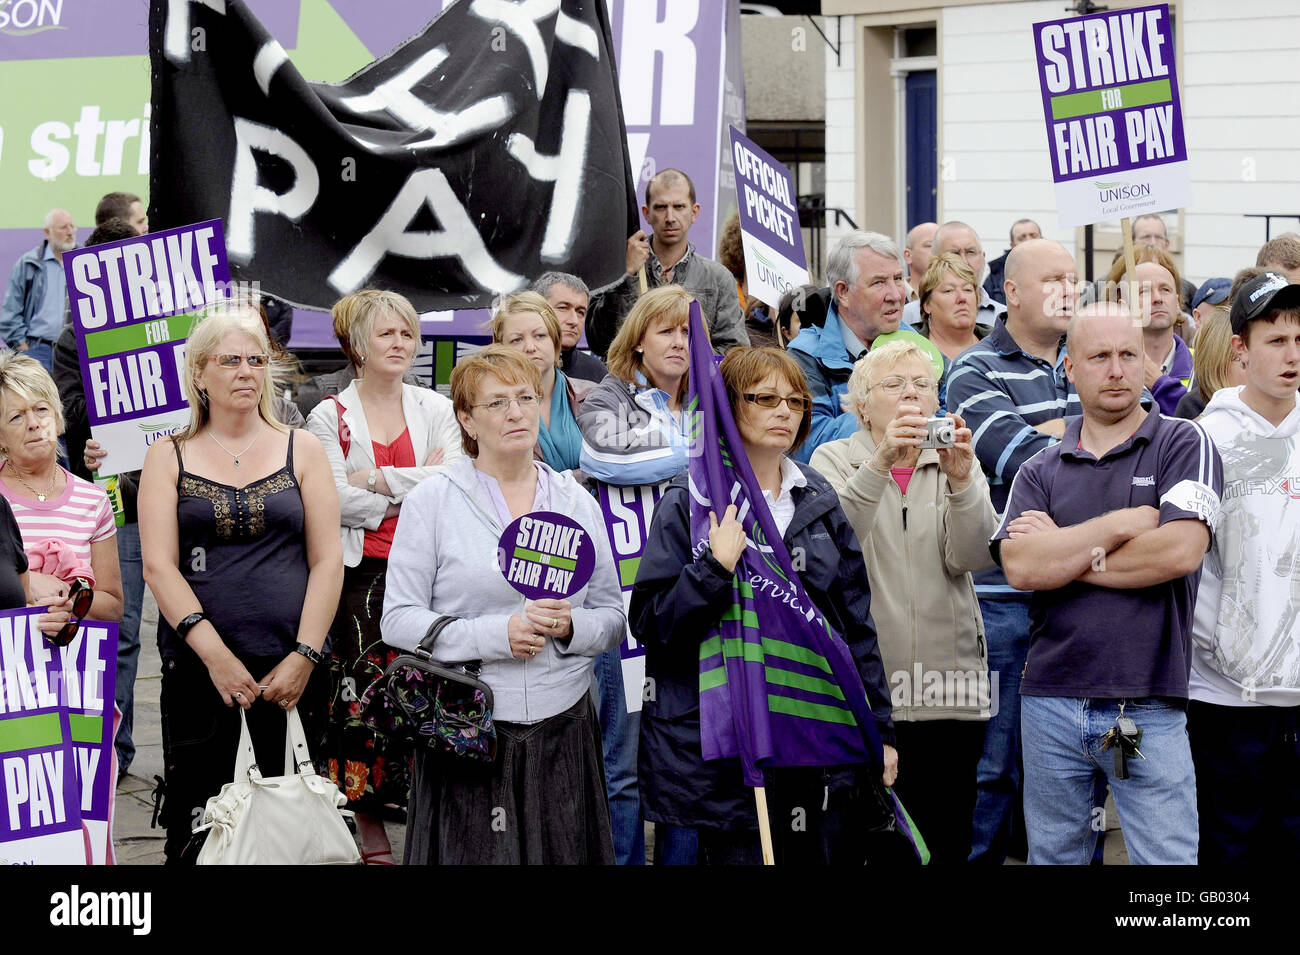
(778, 687)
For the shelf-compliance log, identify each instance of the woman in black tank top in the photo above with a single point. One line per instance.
(241, 549)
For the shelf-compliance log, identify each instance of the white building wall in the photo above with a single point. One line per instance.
(993, 157)
(841, 133)
(1241, 107)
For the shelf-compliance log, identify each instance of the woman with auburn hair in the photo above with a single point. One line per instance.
(526, 322)
(1215, 362)
(920, 569)
(679, 596)
(382, 437)
(542, 801)
(635, 435)
(241, 549)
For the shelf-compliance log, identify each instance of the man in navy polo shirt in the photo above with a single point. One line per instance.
(1108, 528)
(1012, 391)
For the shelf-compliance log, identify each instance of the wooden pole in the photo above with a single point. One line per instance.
(641, 281)
(764, 825)
(1134, 306)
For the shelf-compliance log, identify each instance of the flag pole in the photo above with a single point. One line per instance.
(641, 281)
(764, 825)
(1134, 307)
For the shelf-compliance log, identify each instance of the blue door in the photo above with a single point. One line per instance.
(922, 148)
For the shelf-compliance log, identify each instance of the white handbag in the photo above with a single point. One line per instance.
(295, 819)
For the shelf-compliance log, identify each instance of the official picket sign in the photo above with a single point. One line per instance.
(769, 222)
(546, 555)
(133, 303)
(1114, 119)
(628, 512)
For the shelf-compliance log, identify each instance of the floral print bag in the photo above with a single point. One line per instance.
(444, 707)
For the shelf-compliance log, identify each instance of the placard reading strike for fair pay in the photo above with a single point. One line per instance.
(1114, 122)
(133, 304)
(546, 555)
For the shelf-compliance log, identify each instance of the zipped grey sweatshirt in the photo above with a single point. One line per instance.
(444, 562)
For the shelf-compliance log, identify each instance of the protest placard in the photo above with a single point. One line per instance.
(40, 800)
(89, 688)
(769, 222)
(133, 304)
(628, 512)
(545, 555)
(1114, 121)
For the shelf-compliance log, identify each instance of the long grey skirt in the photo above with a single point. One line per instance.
(541, 803)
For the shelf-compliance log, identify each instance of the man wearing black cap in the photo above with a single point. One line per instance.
(1245, 679)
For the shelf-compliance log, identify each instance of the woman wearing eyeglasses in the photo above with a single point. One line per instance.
(924, 519)
(543, 799)
(382, 438)
(241, 549)
(66, 524)
(679, 596)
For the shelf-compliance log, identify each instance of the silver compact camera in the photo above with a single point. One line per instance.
(939, 433)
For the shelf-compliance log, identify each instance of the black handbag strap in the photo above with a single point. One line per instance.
(425, 647)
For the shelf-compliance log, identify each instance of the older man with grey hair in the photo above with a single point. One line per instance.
(961, 239)
(865, 273)
(32, 315)
(569, 296)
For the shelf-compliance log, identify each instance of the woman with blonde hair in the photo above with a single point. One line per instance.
(526, 322)
(241, 549)
(1217, 364)
(949, 296)
(635, 434)
(66, 524)
(382, 437)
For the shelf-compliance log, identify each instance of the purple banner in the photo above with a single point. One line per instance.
(40, 800)
(90, 687)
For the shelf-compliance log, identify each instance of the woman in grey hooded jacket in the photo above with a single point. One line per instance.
(543, 800)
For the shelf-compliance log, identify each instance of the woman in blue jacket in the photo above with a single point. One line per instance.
(677, 600)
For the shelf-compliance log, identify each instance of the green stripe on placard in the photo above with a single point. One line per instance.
(444, 358)
(747, 618)
(780, 649)
(799, 681)
(30, 732)
(627, 569)
(1120, 97)
(809, 711)
(523, 553)
(160, 331)
(746, 589)
(86, 729)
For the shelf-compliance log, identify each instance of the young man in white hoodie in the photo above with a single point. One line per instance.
(1245, 679)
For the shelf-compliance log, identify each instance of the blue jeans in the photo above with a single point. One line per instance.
(619, 731)
(1064, 760)
(1006, 628)
(128, 638)
(42, 353)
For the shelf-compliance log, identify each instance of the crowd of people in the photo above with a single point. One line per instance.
(1089, 585)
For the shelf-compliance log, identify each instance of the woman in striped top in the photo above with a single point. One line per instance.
(66, 523)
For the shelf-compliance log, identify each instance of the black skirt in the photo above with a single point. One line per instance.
(542, 802)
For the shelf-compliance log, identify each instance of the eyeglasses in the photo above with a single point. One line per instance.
(499, 405)
(894, 385)
(232, 361)
(82, 596)
(797, 403)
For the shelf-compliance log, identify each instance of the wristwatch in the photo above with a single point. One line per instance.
(315, 656)
(374, 476)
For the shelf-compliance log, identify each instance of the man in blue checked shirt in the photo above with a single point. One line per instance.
(1012, 391)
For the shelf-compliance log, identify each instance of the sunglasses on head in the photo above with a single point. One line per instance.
(82, 596)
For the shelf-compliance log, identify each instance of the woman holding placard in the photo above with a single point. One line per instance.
(527, 323)
(241, 549)
(382, 438)
(516, 554)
